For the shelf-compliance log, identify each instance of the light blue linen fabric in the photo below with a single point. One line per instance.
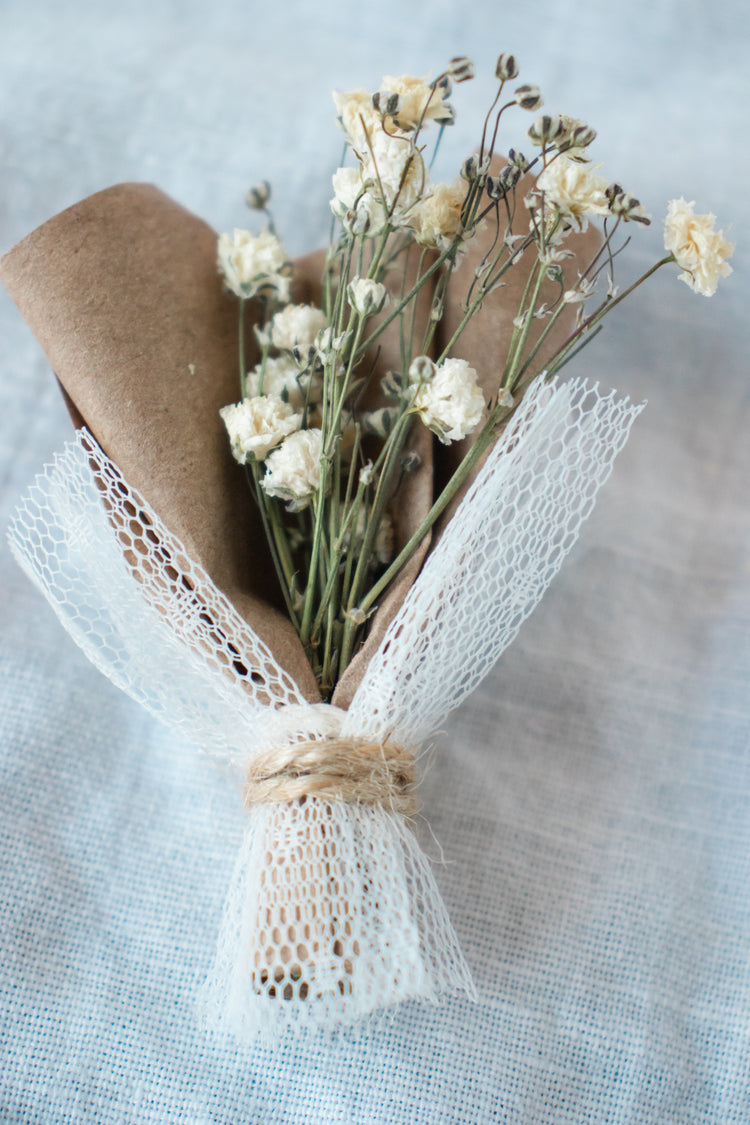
(593, 799)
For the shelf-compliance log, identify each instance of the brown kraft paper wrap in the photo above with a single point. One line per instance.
(123, 293)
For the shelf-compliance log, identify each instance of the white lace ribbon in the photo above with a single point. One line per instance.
(333, 912)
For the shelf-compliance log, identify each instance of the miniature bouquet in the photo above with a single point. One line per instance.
(308, 507)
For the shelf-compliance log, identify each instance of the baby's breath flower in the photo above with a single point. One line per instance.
(436, 219)
(396, 167)
(576, 138)
(547, 129)
(499, 186)
(581, 292)
(257, 424)
(460, 68)
(421, 370)
(625, 205)
(356, 114)
(575, 191)
(474, 169)
(451, 404)
(252, 263)
(367, 474)
(417, 101)
(296, 326)
(293, 470)
(529, 97)
(366, 296)
(258, 195)
(326, 343)
(357, 208)
(697, 248)
(506, 67)
(518, 160)
(281, 377)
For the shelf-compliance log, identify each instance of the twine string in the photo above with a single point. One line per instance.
(355, 770)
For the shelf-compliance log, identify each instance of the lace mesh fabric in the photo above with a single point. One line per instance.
(333, 912)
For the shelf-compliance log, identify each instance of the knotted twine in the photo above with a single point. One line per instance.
(356, 770)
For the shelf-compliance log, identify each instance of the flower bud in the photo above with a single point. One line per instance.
(529, 97)
(356, 221)
(506, 67)
(366, 296)
(422, 370)
(625, 205)
(518, 159)
(496, 189)
(499, 186)
(460, 68)
(411, 461)
(583, 135)
(258, 195)
(473, 168)
(547, 129)
(555, 273)
(378, 422)
(387, 103)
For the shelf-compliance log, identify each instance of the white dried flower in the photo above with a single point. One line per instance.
(451, 404)
(396, 167)
(281, 378)
(436, 219)
(366, 296)
(296, 326)
(356, 114)
(367, 474)
(254, 263)
(698, 249)
(582, 291)
(575, 191)
(417, 101)
(355, 205)
(293, 470)
(257, 424)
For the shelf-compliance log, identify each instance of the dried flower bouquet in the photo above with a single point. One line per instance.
(315, 633)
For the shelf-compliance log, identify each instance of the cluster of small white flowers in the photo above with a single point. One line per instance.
(258, 424)
(697, 248)
(391, 176)
(279, 376)
(417, 101)
(451, 402)
(366, 296)
(575, 191)
(293, 472)
(436, 219)
(254, 263)
(296, 326)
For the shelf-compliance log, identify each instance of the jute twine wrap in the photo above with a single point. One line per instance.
(356, 770)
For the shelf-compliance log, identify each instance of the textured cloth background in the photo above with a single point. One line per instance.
(593, 799)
